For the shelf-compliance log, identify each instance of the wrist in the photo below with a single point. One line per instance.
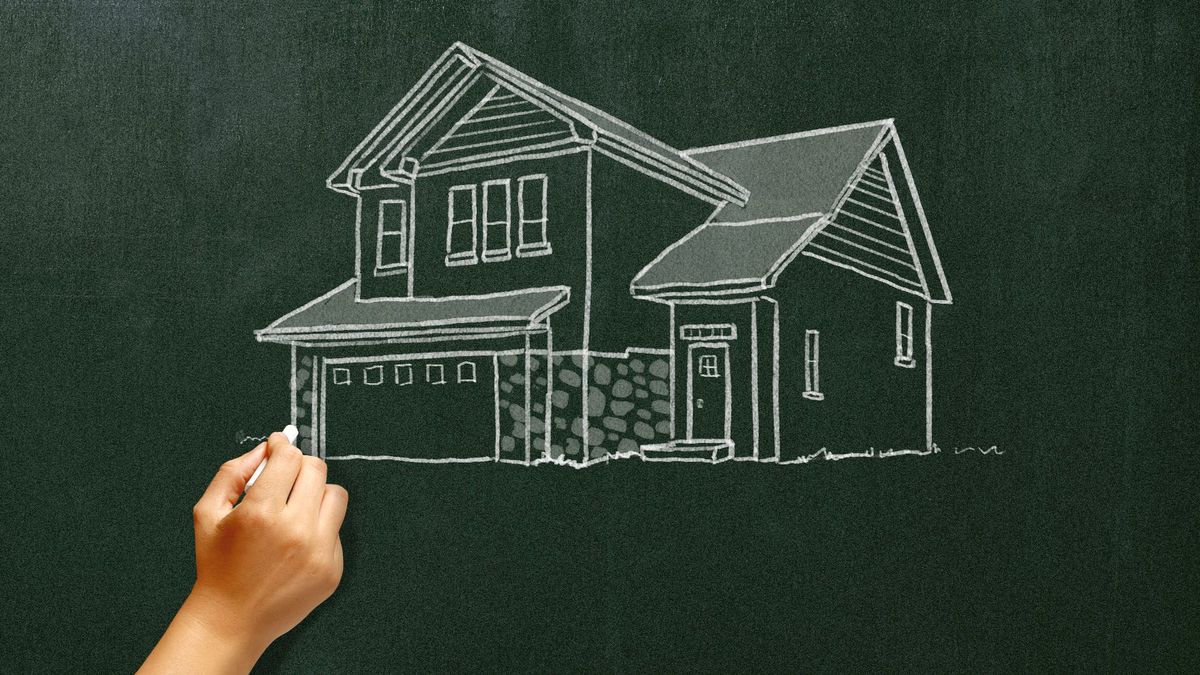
(219, 626)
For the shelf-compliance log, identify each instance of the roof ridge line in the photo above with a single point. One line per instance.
(789, 136)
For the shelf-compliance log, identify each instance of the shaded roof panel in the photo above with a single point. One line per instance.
(792, 174)
(339, 312)
(726, 255)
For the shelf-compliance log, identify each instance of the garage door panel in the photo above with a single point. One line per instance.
(420, 408)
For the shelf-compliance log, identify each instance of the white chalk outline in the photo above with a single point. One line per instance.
(502, 116)
(382, 232)
(691, 399)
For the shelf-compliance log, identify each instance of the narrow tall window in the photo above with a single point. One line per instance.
(391, 252)
(531, 198)
(812, 365)
(460, 227)
(497, 220)
(904, 336)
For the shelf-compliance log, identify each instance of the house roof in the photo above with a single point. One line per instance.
(828, 193)
(338, 315)
(721, 258)
(460, 65)
(795, 173)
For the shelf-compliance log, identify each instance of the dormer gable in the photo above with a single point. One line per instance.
(465, 92)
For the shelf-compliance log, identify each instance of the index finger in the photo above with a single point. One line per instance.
(229, 483)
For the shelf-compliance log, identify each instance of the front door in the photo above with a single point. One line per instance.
(708, 390)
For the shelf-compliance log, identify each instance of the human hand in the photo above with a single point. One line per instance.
(261, 565)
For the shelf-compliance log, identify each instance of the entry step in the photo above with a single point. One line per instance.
(711, 450)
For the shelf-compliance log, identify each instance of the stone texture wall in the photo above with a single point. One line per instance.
(511, 370)
(628, 405)
(304, 399)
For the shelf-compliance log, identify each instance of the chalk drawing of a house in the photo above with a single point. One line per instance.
(539, 282)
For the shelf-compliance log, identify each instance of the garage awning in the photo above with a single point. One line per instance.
(338, 316)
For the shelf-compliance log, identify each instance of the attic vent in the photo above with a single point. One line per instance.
(502, 122)
(868, 232)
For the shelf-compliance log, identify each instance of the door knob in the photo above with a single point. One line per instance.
(699, 403)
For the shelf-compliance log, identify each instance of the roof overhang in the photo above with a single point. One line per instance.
(338, 316)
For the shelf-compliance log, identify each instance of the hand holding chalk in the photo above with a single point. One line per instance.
(264, 559)
(292, 433)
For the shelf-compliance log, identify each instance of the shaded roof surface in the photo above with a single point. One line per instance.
(718, 254)
(803, 173)
(338, 311)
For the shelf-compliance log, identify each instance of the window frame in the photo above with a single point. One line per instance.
(381, 231)
(904, 340)
(456, 258)
(497, 254)
(812, 365)
(378, 368)
(526, 249)
(397, 369)
(708, 366)
(474, 372)
(441, 369)
(341, 376)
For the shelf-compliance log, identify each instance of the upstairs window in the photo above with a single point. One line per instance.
(531, 200)
(812, 365)
(460, 229)
(904, 336)
(392, 249)
(497, 220)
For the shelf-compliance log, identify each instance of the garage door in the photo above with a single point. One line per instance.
(420, 408)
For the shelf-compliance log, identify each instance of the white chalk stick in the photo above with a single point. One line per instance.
(291, 432)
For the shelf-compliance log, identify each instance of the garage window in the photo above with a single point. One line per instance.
(404, 374)
(341, 376)
(373, 375)
(435, 373)
(466, 371)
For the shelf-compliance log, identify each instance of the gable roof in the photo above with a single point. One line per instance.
(460, 67)
(835, 188)
(792, 174)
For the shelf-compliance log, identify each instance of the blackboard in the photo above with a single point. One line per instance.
(164, 169)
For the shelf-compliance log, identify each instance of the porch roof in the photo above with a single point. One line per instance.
(339, 315)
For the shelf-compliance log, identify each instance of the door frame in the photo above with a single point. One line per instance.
(320, 407)
(691, 402)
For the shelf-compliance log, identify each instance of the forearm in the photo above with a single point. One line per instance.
(203, 639)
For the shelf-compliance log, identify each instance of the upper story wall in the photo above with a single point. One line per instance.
(485, 252)
(634, 218)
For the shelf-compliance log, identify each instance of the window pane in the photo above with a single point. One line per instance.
(496, 218)
(466, 371)
(533, 210)
(404, 374)
(435, 373)
(392, 215)
(373, 375)
(460, 237)
(391, 249)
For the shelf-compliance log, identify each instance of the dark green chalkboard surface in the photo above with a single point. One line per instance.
(162, 196)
